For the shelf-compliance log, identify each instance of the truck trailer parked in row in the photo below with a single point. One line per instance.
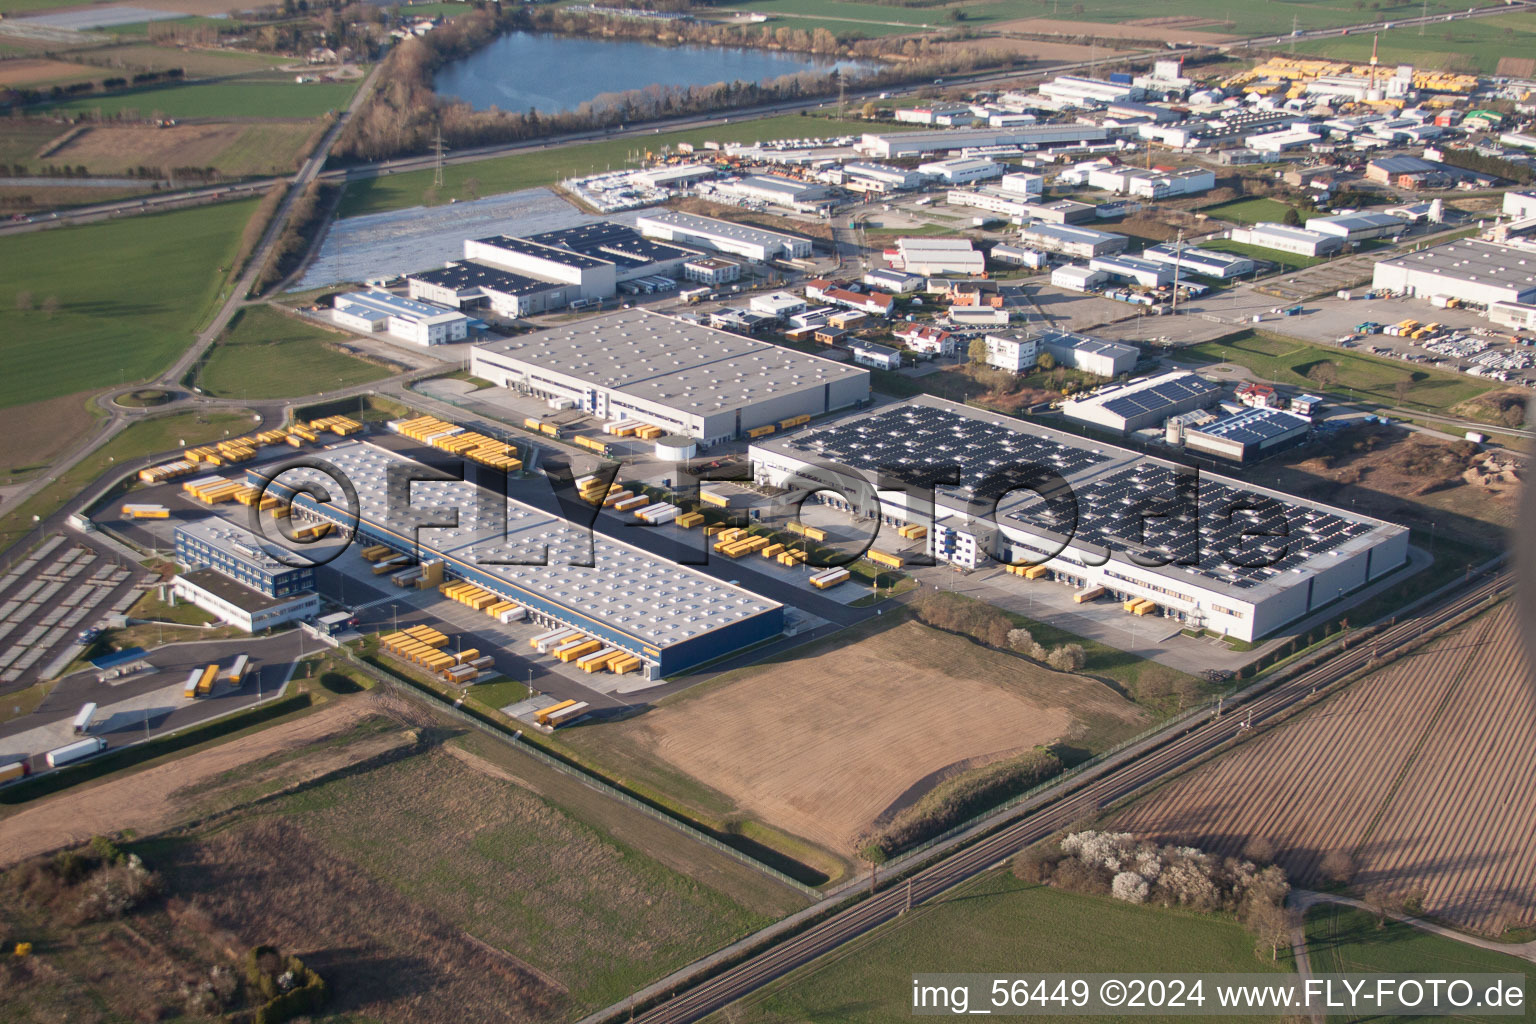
(77, 751)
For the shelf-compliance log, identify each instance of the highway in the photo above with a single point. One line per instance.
(1158, 761)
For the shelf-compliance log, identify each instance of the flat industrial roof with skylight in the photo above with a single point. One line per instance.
(695, 380)
(668, 615)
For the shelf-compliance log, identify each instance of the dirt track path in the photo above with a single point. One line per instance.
(144, 801)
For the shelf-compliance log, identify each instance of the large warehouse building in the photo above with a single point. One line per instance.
(1139, 404)
(515, 277)
(754, 243)
(708, 384)
(1466, 269)
(667, 615)
(1234, 577)
(897, 144)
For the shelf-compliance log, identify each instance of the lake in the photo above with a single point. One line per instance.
(556, 73)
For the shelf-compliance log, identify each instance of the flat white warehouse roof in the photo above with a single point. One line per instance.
(710, 226)
(627, 589)
(683, 365)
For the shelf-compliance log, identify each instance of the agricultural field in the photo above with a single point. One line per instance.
(195, 61)
(1344, 940)
(997, 922)
(285, 99)
(50, 196)
(44, 71)
(114, 301)
(1471, 45)
(36, 432)
(483, 848)
(529, 170)
(235, 149)
(1440, 797)
(265, 354)
(832, 742)
(146, 437)
(24, 138)
(428, 874)
(1287, 361)
(1250, 210)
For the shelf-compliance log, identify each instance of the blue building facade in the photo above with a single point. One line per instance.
(238, 554)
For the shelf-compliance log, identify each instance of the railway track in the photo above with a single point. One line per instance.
(694, 1003)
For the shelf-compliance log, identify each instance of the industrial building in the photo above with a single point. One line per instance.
(1024, 184)
(899, 144)
(754, 243)
(1237, 575)
(875, 356)
(962, 170)
(1082, 243)
(1074, 277)
(1468, 269)
(1012, 352)
(1517, 316)
(1298, 241)
(420, 323)
(932, 256)
(1224, 266)
(1091, 355)
(778, 305)
(1059, 211)
(708, 384)
(712, 270)
(773, 190)
(517, 277)
(477, 286)
(1132, 270)
(893, 281)
(864, 177)
(1139, 404)
(1070, 89)
(669, 616)
(1520, 205)
(240, 555)
(1281, 141)
(1357, 227)
(1152, 184)
(240, 606)
(873, 303)
(1247, 435)
(1013, 205)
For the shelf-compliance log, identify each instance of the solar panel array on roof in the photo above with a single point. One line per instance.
(922, 443)
(606, 240)
(1160, 396)
(1255, 426)
(1111, 511)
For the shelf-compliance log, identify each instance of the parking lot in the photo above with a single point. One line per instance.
(47, 599)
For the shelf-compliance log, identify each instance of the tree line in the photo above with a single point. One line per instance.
(404, 114)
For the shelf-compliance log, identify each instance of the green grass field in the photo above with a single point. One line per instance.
(130, 295)
(530, 170)
(146, 437)
(1248, 211)
(552, 876)
(843, 17)
(1473, 44)
(998, 922)
(218, 100)
(265, 354)
(1286, 361)
(1284, 262)
(1342, 940)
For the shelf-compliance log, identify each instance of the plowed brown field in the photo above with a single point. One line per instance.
(822, 746)
(1425, 772)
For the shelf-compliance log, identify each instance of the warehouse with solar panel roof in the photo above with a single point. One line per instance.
(1216, 553)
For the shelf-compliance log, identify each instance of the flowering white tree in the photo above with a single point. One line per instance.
(1130, 887)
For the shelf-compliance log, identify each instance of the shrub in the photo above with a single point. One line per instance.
(965, 796)
(1068, 658)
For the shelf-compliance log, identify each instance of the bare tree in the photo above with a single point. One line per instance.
(1338, 867)
(23, 301)
(1259, 850)
(51, 305)
(1271, 927)
(1400, 390)
(1020, 640)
